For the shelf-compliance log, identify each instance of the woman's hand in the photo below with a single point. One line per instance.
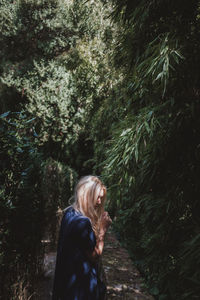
(105, 222)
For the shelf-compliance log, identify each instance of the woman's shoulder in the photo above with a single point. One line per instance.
(73, 216)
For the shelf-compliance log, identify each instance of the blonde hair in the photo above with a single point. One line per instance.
(86, 193)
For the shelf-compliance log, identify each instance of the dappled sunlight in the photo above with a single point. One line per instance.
(123, 279)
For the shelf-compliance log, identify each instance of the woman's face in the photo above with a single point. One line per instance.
(99, 197)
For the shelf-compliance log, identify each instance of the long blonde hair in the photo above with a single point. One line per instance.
(86, 193)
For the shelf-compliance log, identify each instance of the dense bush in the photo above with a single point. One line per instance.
(57, 188)
(53, 64)
(21, 210)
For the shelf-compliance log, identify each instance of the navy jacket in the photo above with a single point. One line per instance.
(75, 276)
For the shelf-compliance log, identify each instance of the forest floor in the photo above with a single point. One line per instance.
(122, 278)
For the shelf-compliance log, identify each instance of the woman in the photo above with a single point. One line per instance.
(80, 244)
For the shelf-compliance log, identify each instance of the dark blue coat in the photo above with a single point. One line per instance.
(75, 276)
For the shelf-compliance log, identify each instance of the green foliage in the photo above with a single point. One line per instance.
(51, 58)
(21, 207)
(35, 28)
(150, 153)
(57, 188)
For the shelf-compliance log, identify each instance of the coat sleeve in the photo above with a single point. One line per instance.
(83, 234)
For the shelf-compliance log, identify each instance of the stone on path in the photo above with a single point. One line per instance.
(45, 284)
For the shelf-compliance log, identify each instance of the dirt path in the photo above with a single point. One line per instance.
(123, 279)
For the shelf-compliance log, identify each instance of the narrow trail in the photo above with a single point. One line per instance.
(124, 282)
(123, 279)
